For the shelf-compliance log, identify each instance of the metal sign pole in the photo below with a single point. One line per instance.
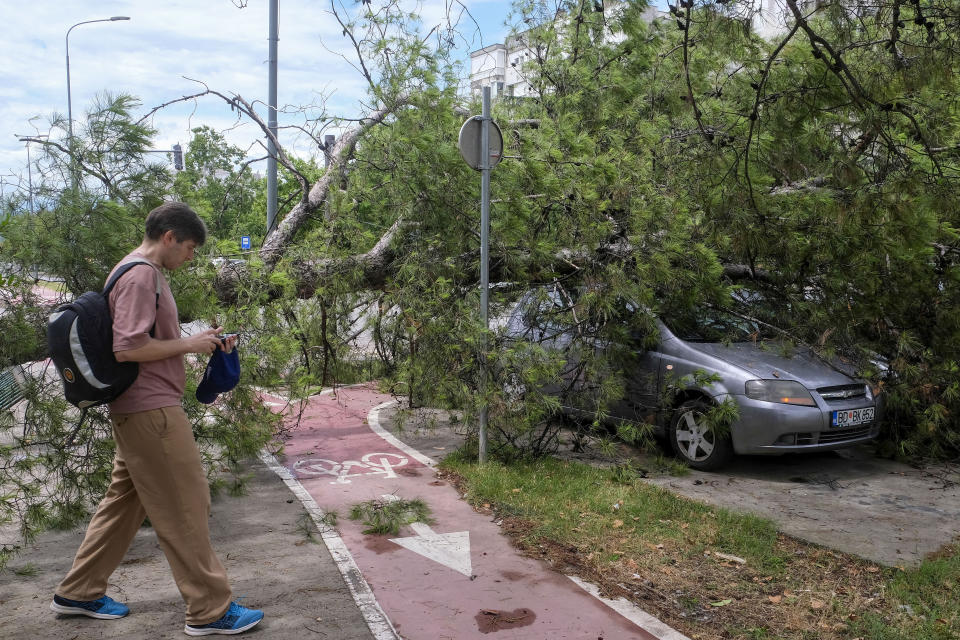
(272, 117)
(484, 263)
(481, 146)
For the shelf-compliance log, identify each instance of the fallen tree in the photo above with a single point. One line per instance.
(661, 167)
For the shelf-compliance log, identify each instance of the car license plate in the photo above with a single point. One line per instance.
(852, 417)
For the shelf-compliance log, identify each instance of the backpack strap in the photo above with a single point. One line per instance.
(126, 266)
(73, 434)
(122, 269)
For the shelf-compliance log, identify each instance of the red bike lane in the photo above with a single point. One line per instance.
(457, 578)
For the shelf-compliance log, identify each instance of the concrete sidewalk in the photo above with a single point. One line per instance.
(260, 539)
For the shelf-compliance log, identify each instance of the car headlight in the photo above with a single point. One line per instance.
(782, 391)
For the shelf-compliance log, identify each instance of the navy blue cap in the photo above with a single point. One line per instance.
(222, 374)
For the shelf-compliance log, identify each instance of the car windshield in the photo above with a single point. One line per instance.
(707, 324)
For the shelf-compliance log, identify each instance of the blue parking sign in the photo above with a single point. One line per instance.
(244, 242)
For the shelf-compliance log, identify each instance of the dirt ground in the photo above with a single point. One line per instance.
(848, 500)
(261, 540)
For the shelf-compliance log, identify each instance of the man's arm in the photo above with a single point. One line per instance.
(204, 342)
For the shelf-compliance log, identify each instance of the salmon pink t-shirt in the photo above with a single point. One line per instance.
(133, 305)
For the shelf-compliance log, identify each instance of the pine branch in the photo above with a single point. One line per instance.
(283, 234)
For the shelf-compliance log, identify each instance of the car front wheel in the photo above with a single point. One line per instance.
(695, 441)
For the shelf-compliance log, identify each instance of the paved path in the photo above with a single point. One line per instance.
(457, 578)
(259, 537)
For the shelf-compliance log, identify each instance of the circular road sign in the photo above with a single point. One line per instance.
(469, 143)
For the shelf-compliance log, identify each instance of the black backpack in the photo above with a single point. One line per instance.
(80, 341)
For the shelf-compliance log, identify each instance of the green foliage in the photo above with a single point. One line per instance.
(222, 189)
(589, 190)
(80, 240)
(626, 473)
(662, 164)
(307, 527)
(816, 187)
(823, 162)
(386, 517)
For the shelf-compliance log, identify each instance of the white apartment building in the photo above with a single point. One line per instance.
(488, 69)
(501, 66)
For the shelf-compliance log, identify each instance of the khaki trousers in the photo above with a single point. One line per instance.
(157, 472)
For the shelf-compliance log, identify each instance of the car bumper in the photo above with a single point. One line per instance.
(773, 428)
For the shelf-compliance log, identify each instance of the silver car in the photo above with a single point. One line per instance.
(787, 400)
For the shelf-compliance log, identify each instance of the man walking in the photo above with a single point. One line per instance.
(157, 470)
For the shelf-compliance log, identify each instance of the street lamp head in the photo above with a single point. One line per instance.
(66, 43)
(28, 138)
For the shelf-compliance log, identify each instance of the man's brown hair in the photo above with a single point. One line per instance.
(179, 218)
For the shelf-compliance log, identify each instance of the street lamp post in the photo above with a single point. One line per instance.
(272, 117)
(69, 104)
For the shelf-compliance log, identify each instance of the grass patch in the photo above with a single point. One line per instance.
(384, 517)
(607, 511)
(925, 602)
(709, 572)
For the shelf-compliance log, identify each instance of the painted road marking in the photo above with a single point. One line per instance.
(452, 550)
(372, 464)
(631, 612)
(373, 421)
(376, 619)
(622, 606)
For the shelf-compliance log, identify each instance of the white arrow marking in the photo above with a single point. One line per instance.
(449, 549)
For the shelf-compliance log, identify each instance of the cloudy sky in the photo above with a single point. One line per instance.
(167, 41)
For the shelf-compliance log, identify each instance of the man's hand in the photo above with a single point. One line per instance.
(205, 342)
(228, 342)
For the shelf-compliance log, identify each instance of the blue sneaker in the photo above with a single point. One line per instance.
(104, 608)
(237, 619)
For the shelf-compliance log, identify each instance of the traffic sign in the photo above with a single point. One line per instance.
(470, 143)
(245, 242)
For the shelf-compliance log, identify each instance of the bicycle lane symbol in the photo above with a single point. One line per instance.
(369, 465)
